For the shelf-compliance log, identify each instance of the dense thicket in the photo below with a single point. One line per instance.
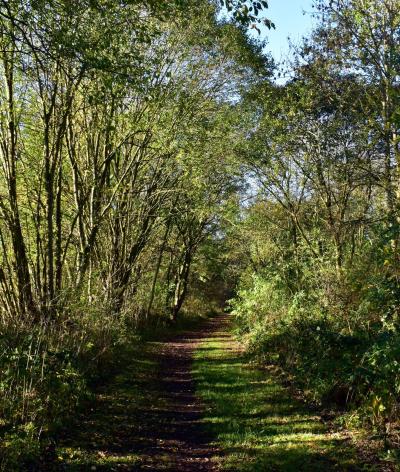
(319, 292)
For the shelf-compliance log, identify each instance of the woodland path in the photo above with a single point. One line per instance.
(192, 403)
(148, 418)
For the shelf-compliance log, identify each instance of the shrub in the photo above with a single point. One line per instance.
(357, 367)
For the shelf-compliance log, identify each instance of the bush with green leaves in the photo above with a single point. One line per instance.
(41, 385)
(47, 372)
(331, 361)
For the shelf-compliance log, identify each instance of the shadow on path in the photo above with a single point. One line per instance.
(256, 422)
(168, 413)
(148, 418)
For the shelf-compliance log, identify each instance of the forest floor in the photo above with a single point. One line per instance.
(194, 403)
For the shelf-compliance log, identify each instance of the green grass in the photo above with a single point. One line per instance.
(254, 421)
(105, 439)
(257, 425)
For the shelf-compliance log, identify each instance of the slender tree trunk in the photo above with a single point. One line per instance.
(181, 285)
(59, 231)
(157, 270)
(26, 300)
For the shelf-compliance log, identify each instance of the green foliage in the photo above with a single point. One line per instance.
(248, 12)
(20, 446)
(119, 131)
(346, 361)
(319, 242)
(41, 385)
(47, 376)
(378, 379)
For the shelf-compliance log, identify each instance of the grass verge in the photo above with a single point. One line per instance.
(257, 424)
(106, 439)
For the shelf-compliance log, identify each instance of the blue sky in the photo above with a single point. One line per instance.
(289, 21)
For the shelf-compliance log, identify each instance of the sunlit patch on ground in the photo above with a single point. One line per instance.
(164, 412)
(256, 423)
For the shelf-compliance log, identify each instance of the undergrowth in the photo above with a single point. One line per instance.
(352, 365)
(47, 374)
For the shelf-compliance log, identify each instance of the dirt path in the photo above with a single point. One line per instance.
(177, 399)
(182, 438)
(148, 418)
